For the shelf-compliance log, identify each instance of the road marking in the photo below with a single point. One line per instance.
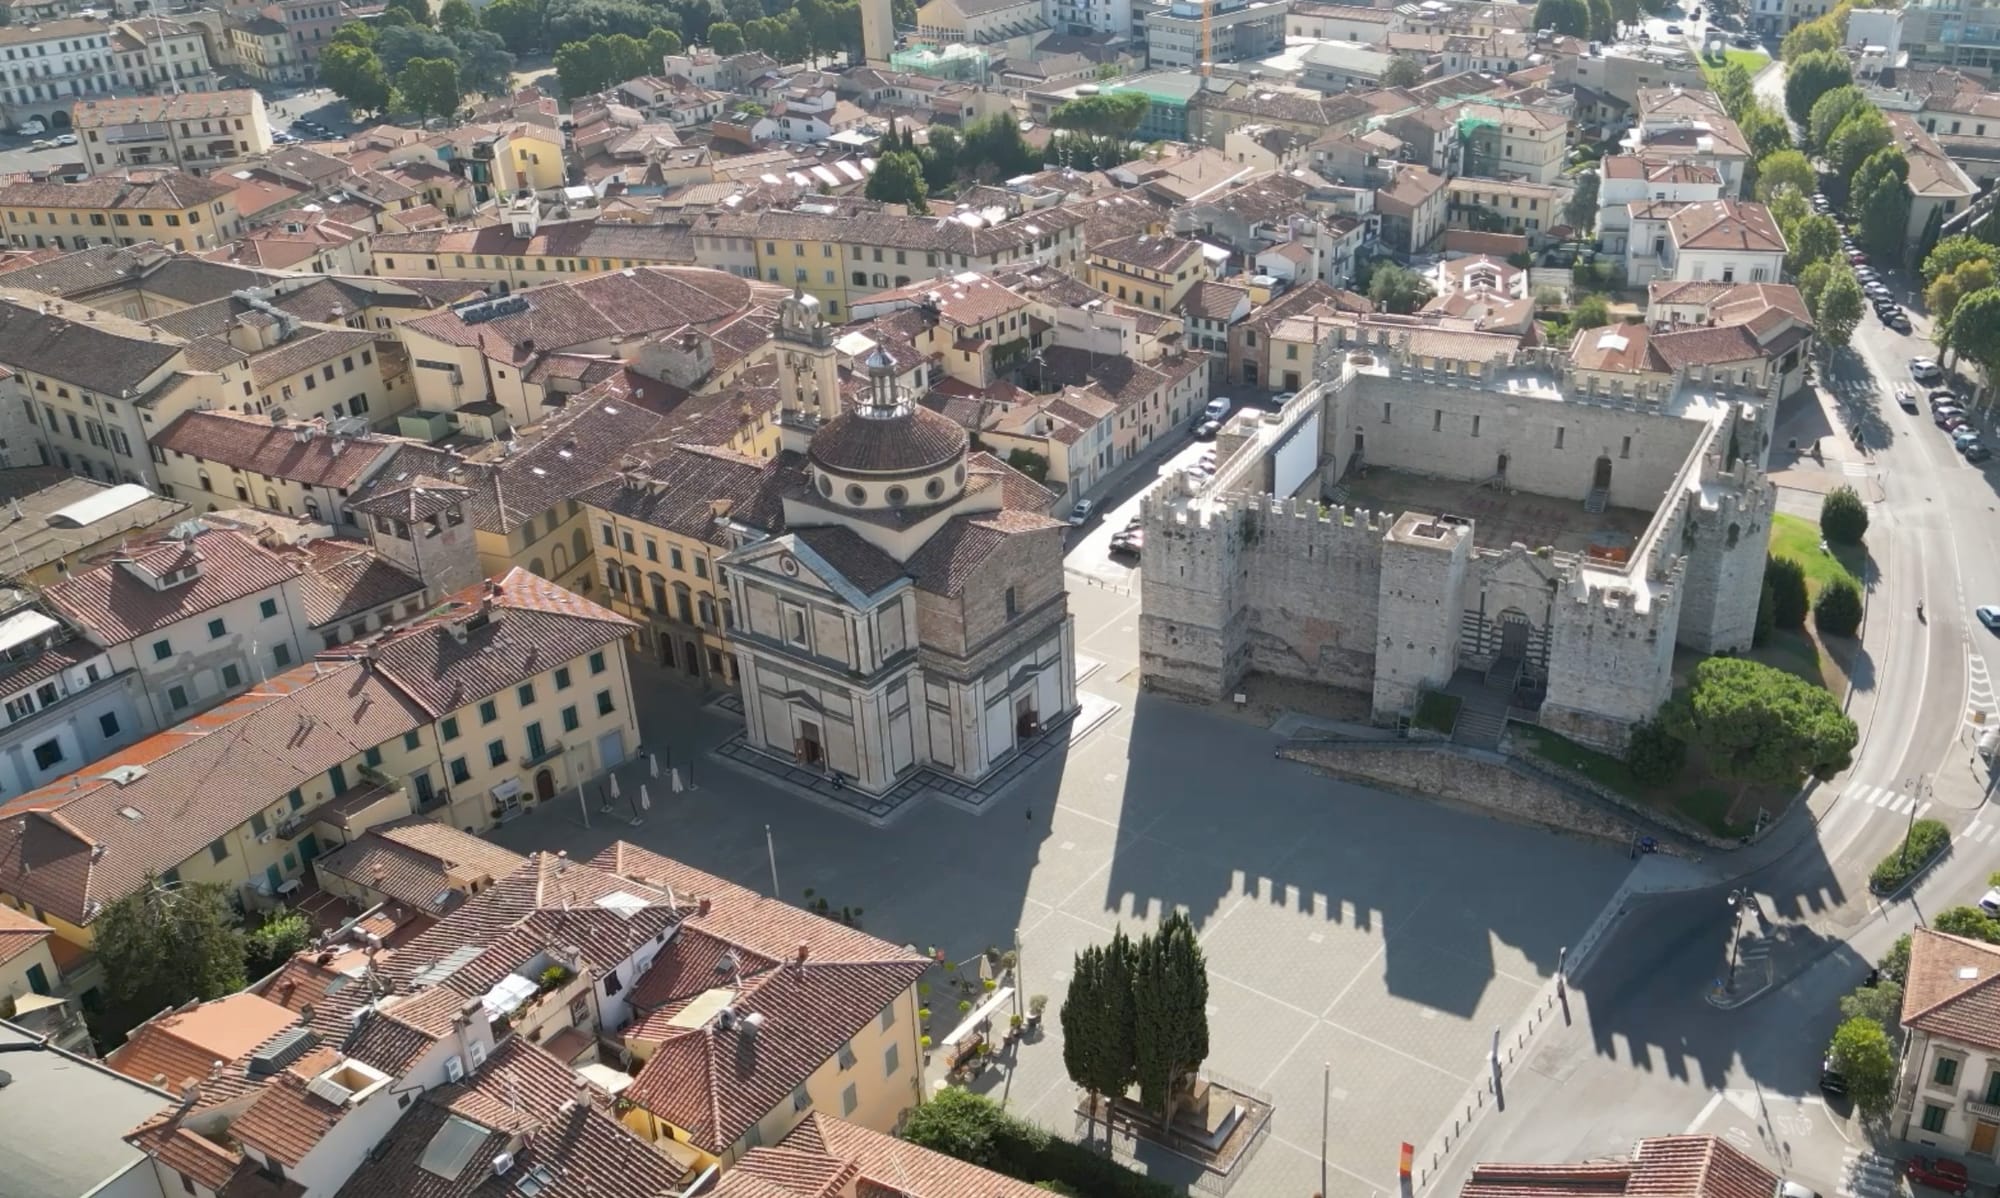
(1854, 469)
(1714, 1100)
(1976, 832)
(1921, 810)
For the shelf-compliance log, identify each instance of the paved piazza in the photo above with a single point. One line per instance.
(1386, 935)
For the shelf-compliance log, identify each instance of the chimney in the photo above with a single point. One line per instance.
(701, 908)
(475, 1027)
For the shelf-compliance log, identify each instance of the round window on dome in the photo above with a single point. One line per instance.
(934, 488)
(857, 494)
(958, 476)
(898, 496)
(825, 486)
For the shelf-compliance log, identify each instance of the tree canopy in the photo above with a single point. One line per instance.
(1814, 239)
(1861, 1051)
(1100, 1049)
(1758, 724)
(356, 75)
(454, 15)
(1569, 17)
(899, 179)
(1170, 1013)
(1581, 211)
(1785, 168)
(1398, 289)
(1863, 134)
(1829, 112)
(1975, 328)
(163, 946)
(1811, 76)
(1402, 71)
(725, 37)
(1813, 37)
(1840, 307)
(1107, 114)
(430, 86)
(1880, 202)
(1953, 252)
(518, 22)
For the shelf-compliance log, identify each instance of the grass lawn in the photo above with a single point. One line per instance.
(1797, 538)
(1752, 61)
(1697, 795)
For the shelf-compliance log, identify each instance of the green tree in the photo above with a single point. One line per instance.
(430, 86)
(274, 942)
(1760, 725)
(995, 149)
(1969, 922)
(454, 15)
(1885, 219)
(1790, 601)
(1814, 239)
(1843, 517)
(1603, 23)
(162, 946)
(1861, 1051)
(1840, 307)
(1030, 463)
(1592, 312)
(1829, 113)
(355, 74)
(1654, 755)
(1881, 1003)
(1859, 136)
(1895, 964)
(1786, 167)
(485, 65)
(1764, 128)
(581, 68)
(1627, 11)
(1813, 37)
(941, 157)
(1837, 611)
(419, 11)
(1398, 289)
(1170, 1010)
(398, 44)
(1569, 17)
(1813, 281)
(518, 22)
(1811, 76)
(1788, 208)
(1581, 211)
(354, 33)
(899, 179)
(1106, 114)
(1100, 1049)
(1402, 71)
(659, 44)
(1942, 297)
(957, 1123)
(1955, 251)
(1735, 90)
(725, 37)
(1975, 329)
(744, 11)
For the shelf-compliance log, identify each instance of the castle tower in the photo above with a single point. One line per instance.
(1611, 656)
(1417, 618)
(1725, 543)
(878, 31)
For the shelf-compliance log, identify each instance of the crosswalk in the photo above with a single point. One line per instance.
(1854, 469)
(1752, 947)
(1892, 801)
(1980, 829)
(1866, 1174)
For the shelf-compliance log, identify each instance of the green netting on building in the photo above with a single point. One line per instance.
(954, 60)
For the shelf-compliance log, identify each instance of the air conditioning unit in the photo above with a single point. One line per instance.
(264, 837)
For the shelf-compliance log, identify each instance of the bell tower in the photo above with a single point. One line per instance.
(808, 367)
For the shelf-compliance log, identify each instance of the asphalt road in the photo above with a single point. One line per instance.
(1650, 1054)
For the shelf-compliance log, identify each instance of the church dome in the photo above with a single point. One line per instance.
(909, 440)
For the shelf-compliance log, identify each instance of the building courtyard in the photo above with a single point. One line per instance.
(1386, 935)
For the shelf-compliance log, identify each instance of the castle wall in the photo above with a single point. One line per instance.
(1423, 575)
(1612, 664)
(1552, 446)
(1725, 536)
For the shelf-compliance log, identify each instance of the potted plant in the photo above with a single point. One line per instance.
(964, 1006)
(1036, 1005)
(989, 985)
(1014, 1026)
(924, 1013)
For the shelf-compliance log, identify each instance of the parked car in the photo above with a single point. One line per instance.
(1675, 29)
(1831, 1080)
(42, 143)
(1217, 408)
(1129, 542)
(1206, 430)
(1856, 257)
(1960, 436)
(1899, 321)
(1989, 615)
(1942, 395)
(1925, 371)
(1079, 514)
(1990, 901)
(1975, 452)
(1743, 41)
(65, 139)
(1938, 1173)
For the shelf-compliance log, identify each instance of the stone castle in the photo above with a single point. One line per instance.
(1623, 526)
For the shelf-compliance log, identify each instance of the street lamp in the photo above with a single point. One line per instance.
(1738, 899)
(1915, 787)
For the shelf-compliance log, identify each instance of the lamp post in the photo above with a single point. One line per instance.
(1738, 899)
(1914, 786)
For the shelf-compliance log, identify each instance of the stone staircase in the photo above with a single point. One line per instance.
(1482, 705)
(1595, 502)
(1479, 729)
(1503, 676)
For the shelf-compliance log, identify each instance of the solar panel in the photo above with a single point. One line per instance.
(451, 1148)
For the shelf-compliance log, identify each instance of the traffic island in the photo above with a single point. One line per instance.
(1216, 1125)
(1924, 845)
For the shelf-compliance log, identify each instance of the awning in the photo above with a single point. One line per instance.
(980, 1014)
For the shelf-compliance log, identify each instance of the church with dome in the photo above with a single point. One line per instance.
(905, 609)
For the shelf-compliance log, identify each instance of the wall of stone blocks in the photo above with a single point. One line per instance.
(1723, 579)
(1423, 577)
(1611, 665)
(1430, 430)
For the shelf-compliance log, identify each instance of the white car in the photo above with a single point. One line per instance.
(1081, 513)
(1990, 902)
(1217, 408)
(65, 139)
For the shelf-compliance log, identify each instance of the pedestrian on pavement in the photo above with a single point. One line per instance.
(1030, 813)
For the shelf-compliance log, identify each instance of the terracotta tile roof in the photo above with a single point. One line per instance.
(85, 840)
(113, 604)
(517, 626)
(19, 933)
(620, 304)
(577, 1151)
(714, 1084)
(346, 578)
(915, 439)
(1932, 172)
(180, 106)
(1661, 1167)
(411, 861)
(895, 1166)
(954, 554)
(868, 568)
(299, 451)
(1954, 989)
(186, 1044)
(109, 354)
(1622, 348)
(676, 490)
(139, 189)
(1726, 225)
(179, 1148)
(1707, 347)
(285, 1121)
(794, 1173)
(1210, 300)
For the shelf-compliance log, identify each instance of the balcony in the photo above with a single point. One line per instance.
(548, 753)
(1984, 1104)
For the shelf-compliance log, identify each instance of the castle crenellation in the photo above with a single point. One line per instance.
(1396, 602)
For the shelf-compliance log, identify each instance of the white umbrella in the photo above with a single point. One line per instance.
(675, 774)
(653, 764)
(645, 800)
(614, 786)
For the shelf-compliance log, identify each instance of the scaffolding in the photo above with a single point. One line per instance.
(955, 61)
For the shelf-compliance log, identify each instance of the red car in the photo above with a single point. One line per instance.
(1857, 258)
(1937, 1173)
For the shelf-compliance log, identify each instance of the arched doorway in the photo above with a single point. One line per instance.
(1514, 630)
(545, 785)
(59, 119)
(1600, 479)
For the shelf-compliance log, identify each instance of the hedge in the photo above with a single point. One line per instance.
(1927, 840)
(974, 1129)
